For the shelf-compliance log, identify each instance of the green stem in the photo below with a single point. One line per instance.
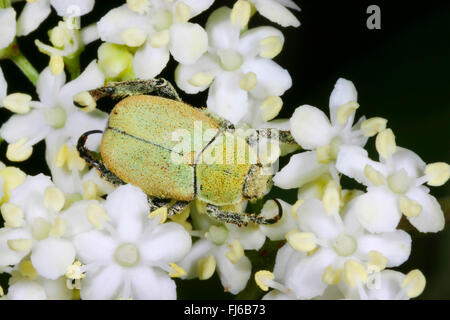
(25, 66)
(5, 4)
(73, 65)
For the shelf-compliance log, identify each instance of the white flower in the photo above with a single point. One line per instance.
(313, 130)
(157, 28)
(32, 225)
(7, 35)
(128, 254)
(394, 187)
(54, 118)
(388, 285)
(221, 247)
(244, 83)
(324, 249)
(274, 10)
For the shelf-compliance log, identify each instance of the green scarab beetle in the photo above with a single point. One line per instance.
(138, 147)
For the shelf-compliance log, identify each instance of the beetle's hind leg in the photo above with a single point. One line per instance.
(241, 219)
(116, 91)
(172, 208)
(92, 161)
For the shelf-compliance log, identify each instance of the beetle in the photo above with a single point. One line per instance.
(136, 147)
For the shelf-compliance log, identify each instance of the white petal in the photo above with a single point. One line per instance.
(116, 21)
(188, 41)
(51, 257)
(148, 62)
(128, 208)
(91, 78)
(29, 196)
(304, 277)
(220, 31)
(249, 42)
(289, 4)
(251, 237)
(272, 80)
(95, 247)
(72, 8)
(76, 217)
(32, 15)
(103, 284)
(26, 290)
(28, 126)
(344, 91)
(205, 64)
(168, 242)
(352, 160)
(278, 230)
(395, 246)
(8, 256)
(302, 168)
(431, 218)
(89, 34)
(377, 210)
(200, 249)
(8, 29)
(152, 284)
(3, 86)
(312, 217)
(79, 122)
(234, 277)
(227, 99)
(408, 160)
(48, 86)
(197, 6)
(55, 289)
(276, 12)
(276, 295)
(387, 286)
(286, 256)
(310, 127)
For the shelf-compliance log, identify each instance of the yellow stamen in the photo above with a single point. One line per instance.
(414, 283)
(385, 143)
(262, 277)
(331, 197)
(206, 267)
(270, 47)
(332, 275)
(248, 82)
(139, 6)
(19, 151)
(13, 215)
(372, 126)
(17, 102)
(27, 269)
(201, 79)
(377, 262)
(375, 176)
(159, 39)
(271, 107)
(86, 100)
(20, 245)
(96, 215)
(12, 178)
(182, 12)
(437, 173)
(323, 154)
(178, 271)
(54, 199)
(346, 110)
(133, 37)
(90, 190)
(240, 14)
(236, 252)
(295, 207)
(217, 234)
(59, 228)
(301, 241)
(56, 64)
(160, 213)
(409, 207)
(354, 273)
(75, 272)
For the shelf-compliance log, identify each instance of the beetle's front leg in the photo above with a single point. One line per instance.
(241, 219)
(284, 137)
(119, 90)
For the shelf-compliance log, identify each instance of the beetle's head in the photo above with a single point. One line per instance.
(258, 182)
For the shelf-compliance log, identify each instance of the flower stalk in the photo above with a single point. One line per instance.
(15, 55)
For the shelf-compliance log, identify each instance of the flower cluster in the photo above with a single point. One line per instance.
(74, 235)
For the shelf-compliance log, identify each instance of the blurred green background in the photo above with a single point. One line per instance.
(401, 72)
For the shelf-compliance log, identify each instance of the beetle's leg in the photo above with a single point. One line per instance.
(222, 122)
(119, 90)
(172, 208)
(92, 161)
(241, 219)
(285, 139)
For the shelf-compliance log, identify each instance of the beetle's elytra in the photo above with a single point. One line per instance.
(138, 147)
